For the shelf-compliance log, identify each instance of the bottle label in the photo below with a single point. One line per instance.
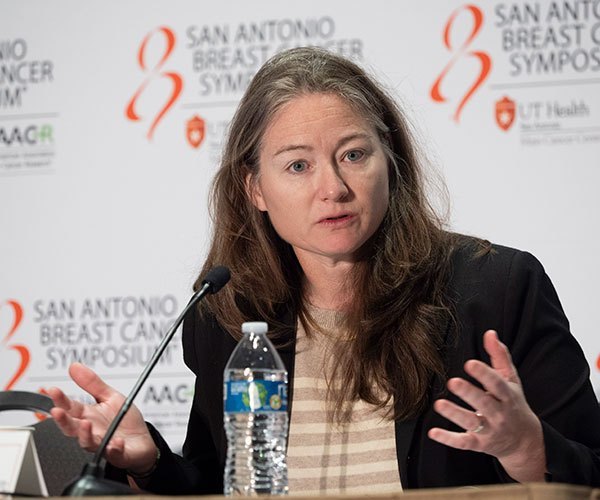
(242, 396)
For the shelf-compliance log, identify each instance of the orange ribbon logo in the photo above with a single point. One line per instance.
(155, 72)
(483, 57)
(21, 349)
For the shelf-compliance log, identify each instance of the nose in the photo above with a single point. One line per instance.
(332, 186)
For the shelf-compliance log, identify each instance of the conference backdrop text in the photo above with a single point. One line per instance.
(112, 116)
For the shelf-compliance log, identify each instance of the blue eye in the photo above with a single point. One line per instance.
(354, 155)
(298, 166)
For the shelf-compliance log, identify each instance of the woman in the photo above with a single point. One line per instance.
(379, 314)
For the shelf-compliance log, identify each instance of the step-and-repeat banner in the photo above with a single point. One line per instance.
(112, 116)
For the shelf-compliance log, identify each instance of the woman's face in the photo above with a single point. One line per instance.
(323, 178)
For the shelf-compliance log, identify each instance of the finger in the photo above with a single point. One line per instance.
(493, 382)
(500, 357)
(475, 397)
(459, 440)
(462, 417)
(90, 382)
(67, 425)
(85, 437)
(61, 400)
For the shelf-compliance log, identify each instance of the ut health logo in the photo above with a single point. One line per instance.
(460, 50)
(505, 113)
(154, 70)
(30, 135)
(195, 131)
(11, 311)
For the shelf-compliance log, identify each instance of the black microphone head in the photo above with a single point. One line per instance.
(217, 278)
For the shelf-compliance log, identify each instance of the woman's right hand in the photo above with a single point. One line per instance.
(131, 447)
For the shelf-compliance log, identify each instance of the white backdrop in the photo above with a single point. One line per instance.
(103, 216)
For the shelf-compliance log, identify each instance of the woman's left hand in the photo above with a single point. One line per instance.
(502, 425)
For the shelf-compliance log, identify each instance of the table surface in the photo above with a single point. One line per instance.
(529, 491)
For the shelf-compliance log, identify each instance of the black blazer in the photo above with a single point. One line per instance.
(506, 290)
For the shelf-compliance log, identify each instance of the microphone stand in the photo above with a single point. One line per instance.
(91, 481)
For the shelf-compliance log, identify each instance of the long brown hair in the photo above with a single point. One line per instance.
(395, 320)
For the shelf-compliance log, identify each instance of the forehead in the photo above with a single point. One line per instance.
(308, 115)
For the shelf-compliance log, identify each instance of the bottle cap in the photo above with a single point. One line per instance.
(255, 327)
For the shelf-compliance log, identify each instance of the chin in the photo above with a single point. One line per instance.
(341, 253)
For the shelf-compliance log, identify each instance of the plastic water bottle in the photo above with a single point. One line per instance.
(255, 416)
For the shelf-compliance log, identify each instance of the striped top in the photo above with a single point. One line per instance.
(329, 458)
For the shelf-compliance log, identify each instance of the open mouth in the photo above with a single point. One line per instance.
(337, 219)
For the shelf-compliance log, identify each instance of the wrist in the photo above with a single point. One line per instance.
(528, 463)
(147, 471)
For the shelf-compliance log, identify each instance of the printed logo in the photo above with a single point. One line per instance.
(462, 51)
(195, 131)
(155, 72)
(5, 343)
(169, 394)
(505, 113)
(29, 135)
(256, 396)
(275, 401)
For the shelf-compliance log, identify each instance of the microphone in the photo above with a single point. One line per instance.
(91, 481)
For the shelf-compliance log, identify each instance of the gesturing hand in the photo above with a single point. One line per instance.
(131, 447)
(502, 425)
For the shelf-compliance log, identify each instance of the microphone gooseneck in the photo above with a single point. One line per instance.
(91, 482)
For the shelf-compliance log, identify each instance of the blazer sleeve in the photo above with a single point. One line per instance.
(196, 473)
(199, 470)
(554, 373)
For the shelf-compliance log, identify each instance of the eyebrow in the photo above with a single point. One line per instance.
(341, 142)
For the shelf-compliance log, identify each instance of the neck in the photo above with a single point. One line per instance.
(327, 283)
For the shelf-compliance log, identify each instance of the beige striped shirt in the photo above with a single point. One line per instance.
(329, 458)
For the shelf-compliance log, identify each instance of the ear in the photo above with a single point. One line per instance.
(254, 192)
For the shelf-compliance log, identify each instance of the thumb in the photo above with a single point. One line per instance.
(115, 453)
(115, 449)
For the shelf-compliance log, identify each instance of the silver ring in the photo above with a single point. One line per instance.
(481, 424)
